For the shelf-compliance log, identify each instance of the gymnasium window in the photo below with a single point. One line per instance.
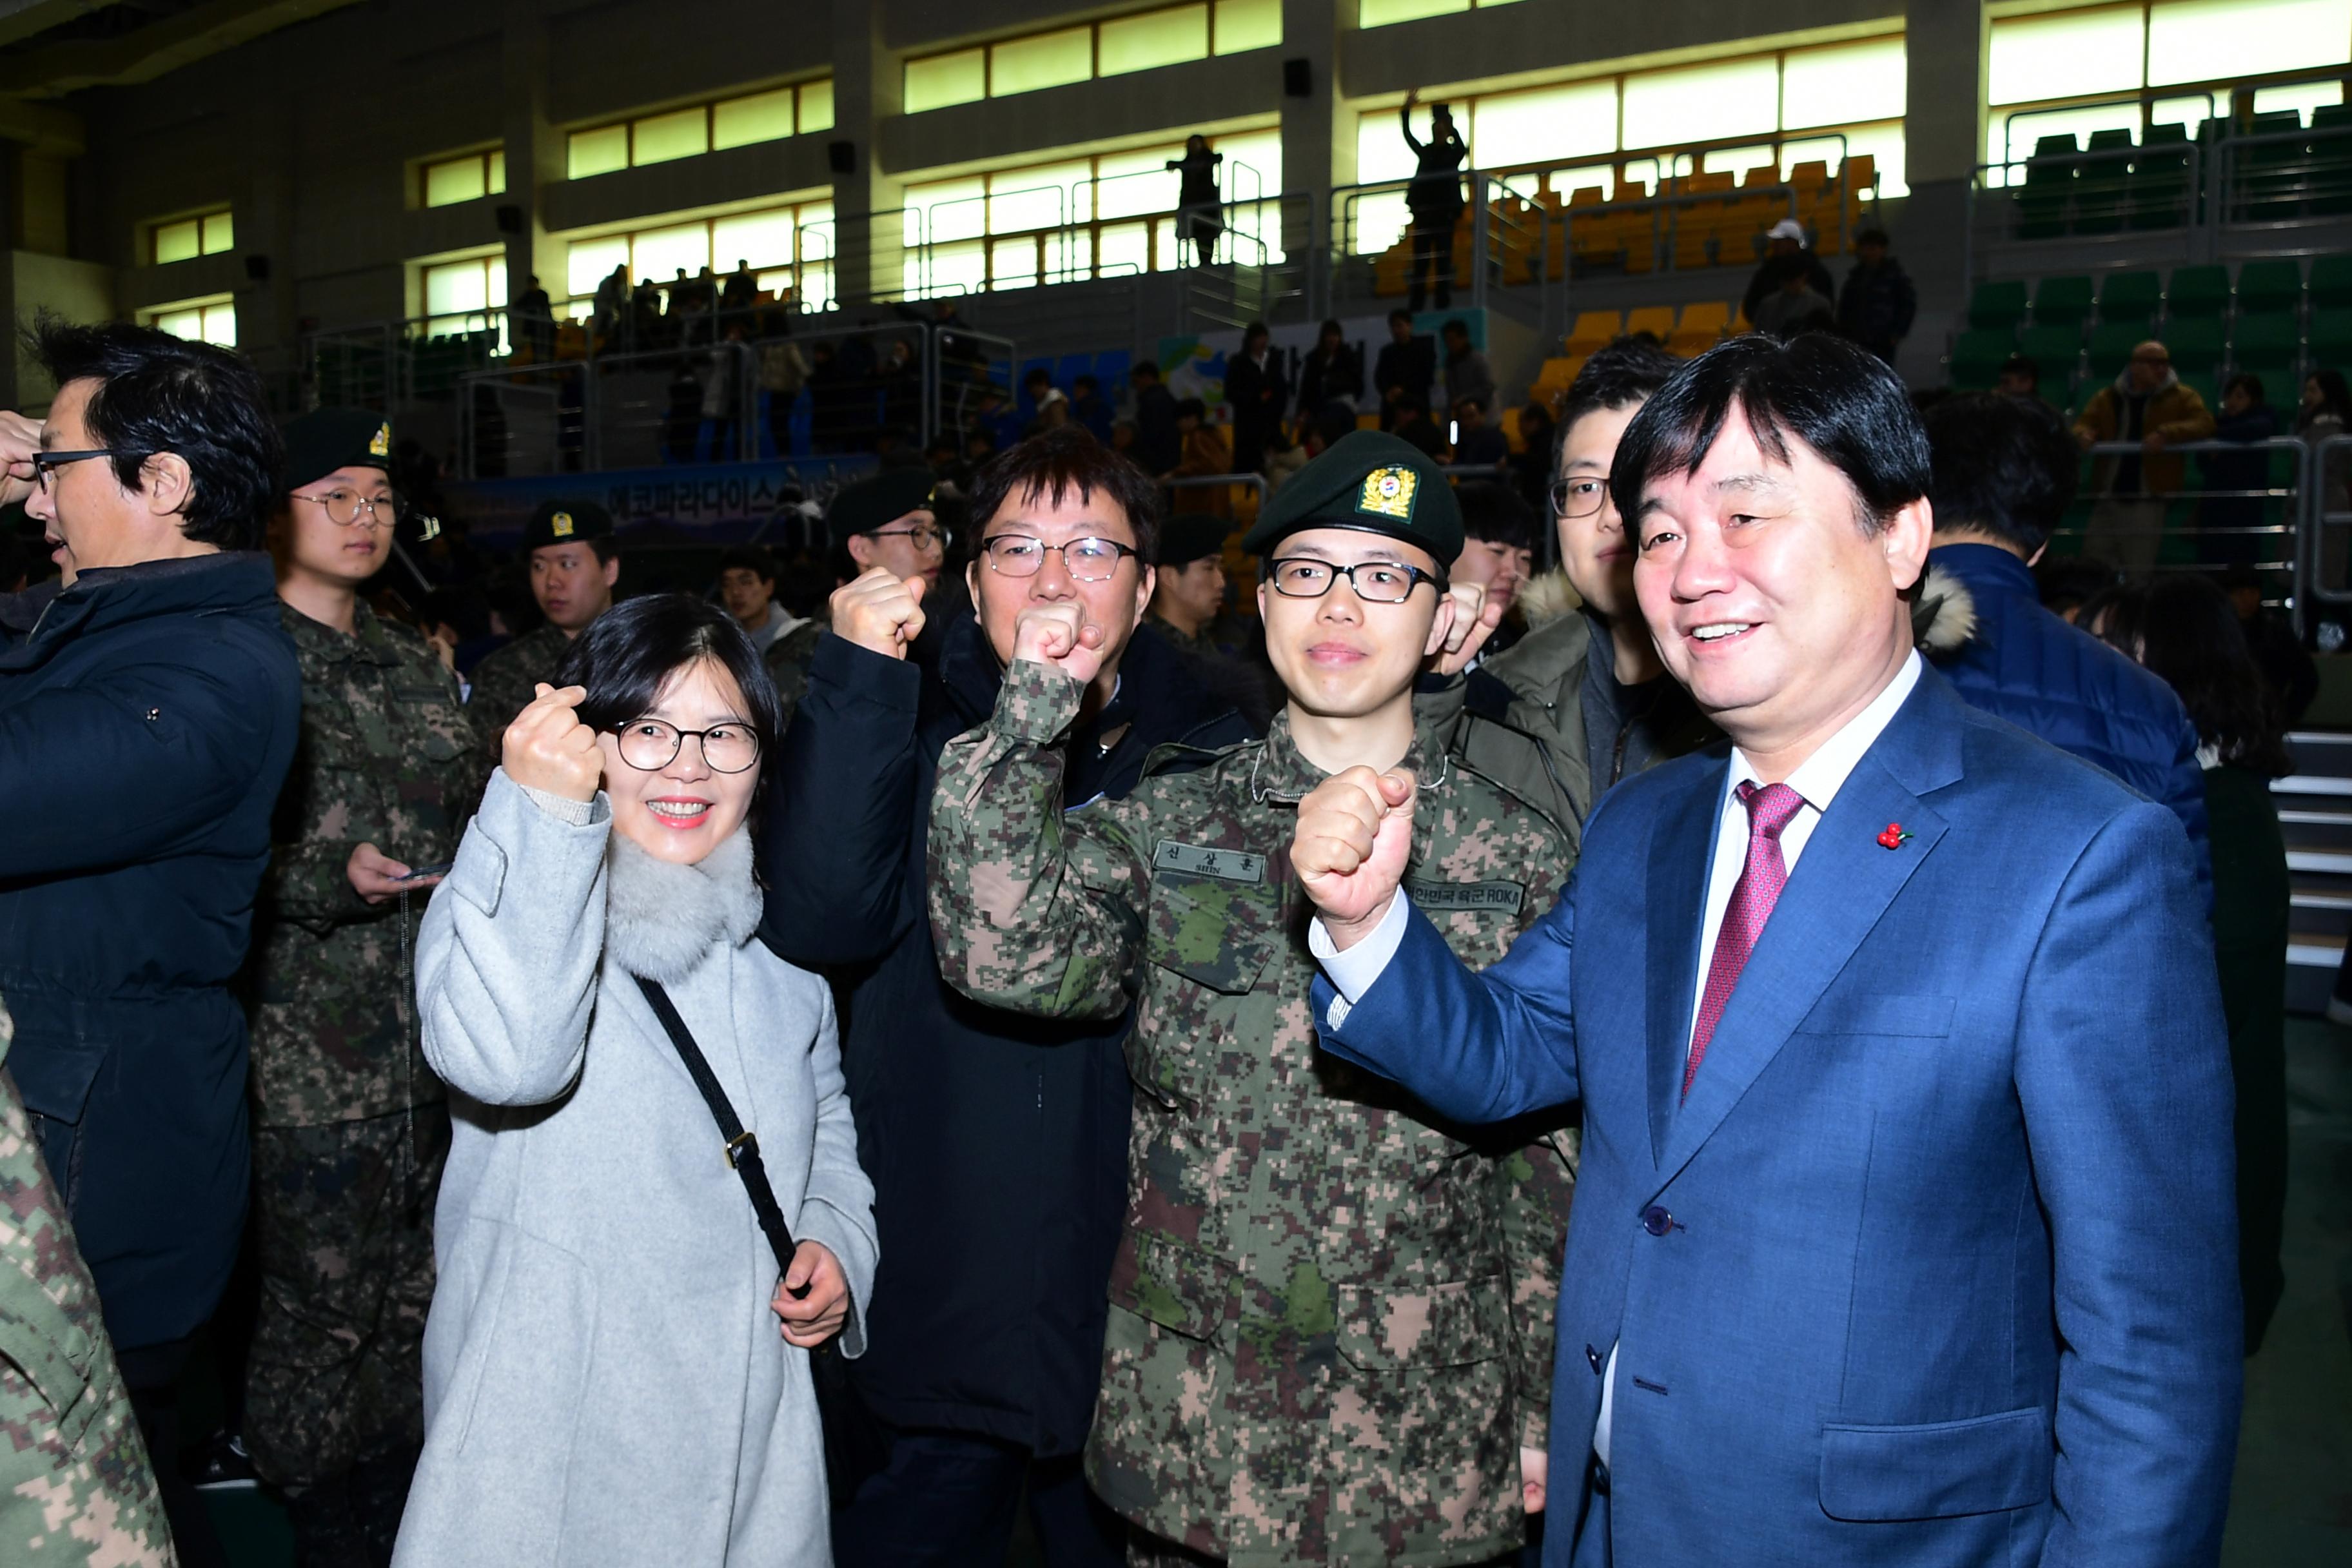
(206, 321)
(186, 238)
(769, 115)
(467, 177)
(1144, 41)
(788, 247)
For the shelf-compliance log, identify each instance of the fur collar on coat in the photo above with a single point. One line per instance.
(663, 921)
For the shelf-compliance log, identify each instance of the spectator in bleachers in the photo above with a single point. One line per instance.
(740, 294)
(1159, 443)
(611, 301)
(1283, 458)
(1477, 444)
(2182, 628)
(1034, 386)
(534, 316)
(1531, 464)
(2019, 376)
(1407, 368)
(1088, 408)
(645, 328)
(1333, 371)
(1206, 452)
(995, 418)
(1256, 394)
(1877, 304)
(1794, 307)
(2152, 407)
(1467, 374)
(1785, 251)
(782, 373)
(1416, 429)
(1053, 412)
(1435, 199)
(1498, 555)
(2003, 474)
(722, 394)
(1200, 213)
(2232, 509)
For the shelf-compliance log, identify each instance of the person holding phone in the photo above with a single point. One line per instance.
(349, 1125)
(645, 1101)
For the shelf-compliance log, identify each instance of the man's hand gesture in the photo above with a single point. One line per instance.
(19, 439)
(1474, 620)
(1060, 635)
(1354, 834)
(878, 612)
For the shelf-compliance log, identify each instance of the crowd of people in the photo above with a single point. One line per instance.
(992, 1018)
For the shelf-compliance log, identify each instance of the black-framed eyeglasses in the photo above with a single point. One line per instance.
(926, 538)
(649, 745)
(1086, 560)
(1579, 496)
(347, 506)
(1381, 582)
(44, 462)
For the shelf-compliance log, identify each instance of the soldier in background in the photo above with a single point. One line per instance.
(576, 563)
(890, 521)
(1330, 1327)
(1188, 603)
(76, 1491)
(350, 1126)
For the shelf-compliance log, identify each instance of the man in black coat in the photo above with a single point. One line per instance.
(1158, 446)
(145, 727)
(997, 1144)
(1406, 368)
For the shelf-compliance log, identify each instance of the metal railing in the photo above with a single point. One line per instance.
(2239, 504)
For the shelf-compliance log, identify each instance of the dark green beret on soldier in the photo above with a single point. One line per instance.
(1369, 480)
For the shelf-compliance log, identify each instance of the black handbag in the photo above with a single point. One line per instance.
(855, 1445)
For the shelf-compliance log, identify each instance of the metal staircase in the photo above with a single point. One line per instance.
(2314, 808)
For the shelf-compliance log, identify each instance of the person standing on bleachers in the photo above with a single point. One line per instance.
(1876, 306)
(1256, 393)
(1435, 199)
(2152, 406)
(1406, 368)
(1333, 371)
(1785, 251)
(1469, 377)
(1201, 215)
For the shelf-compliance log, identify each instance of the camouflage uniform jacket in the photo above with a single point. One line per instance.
(505, 683)
(387, 756)
(1332, 1315)
(787, 659)
(75, 1485)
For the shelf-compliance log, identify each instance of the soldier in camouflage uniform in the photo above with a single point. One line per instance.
(576, 563)
(75, 1488)
(349, 1125)
(1331, 1313)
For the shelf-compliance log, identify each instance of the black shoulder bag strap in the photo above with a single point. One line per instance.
(742, 1147)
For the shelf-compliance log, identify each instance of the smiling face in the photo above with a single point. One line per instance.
(1767, 597)
(1339, 656)
(573, 586)
(1593, 549)
(319, 547)
(1115, 604)
(683, 810)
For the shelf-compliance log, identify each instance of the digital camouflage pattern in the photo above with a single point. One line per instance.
(505, 683)
(787, 659)
(387, 756)
(1330, 1326)
(344, 1237)
(75, 1486)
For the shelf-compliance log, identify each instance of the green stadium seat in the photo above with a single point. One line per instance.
(2056, 146)
(2268, 286)
(2055, 350)
(2111, 347)
(2197, 291)
(2129, 297)
(2331, 282)
(1977, 357)
(2100, 184)
(2059, 302)
(2042, 204)
(2195, 343)
(1997, 306)
(2264, 344)
(2207, 384)
(2331, 335)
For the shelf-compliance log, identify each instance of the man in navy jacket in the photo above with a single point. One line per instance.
(1905, 1229)
(145, 727)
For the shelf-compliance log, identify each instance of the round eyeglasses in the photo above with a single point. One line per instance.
(1579, 496)
(649, 745)
(924, 539)
(1086, 560)
(348, 507)
(1374, 582)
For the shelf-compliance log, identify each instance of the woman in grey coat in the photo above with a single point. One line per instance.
(613, 1372)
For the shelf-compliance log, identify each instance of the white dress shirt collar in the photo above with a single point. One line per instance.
(1820, 776)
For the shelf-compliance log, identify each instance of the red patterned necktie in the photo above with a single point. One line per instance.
(1770, 808)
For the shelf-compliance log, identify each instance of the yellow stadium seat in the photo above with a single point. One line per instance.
(1593, 329)
(1586, 196)
(1815, 172)
(1707, 183)
(1769, 174)
(1658, 319)
(1702, 326)
(1861, 173)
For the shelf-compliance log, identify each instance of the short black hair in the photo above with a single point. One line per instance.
(751, 559)
(160, 393)
(628, 653)
(2004, 466)
(1193, 407)
(1055, 462)
(1457, 325)
(1835, 396)
(2252, 384)
(1037, 373)
(1496, 514)
(1626, 372)
(1871, 237)
(1085, 384)
(1400, 314)
(2024, 365)
(1144, 367)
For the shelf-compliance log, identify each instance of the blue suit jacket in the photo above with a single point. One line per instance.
(1936, 1265)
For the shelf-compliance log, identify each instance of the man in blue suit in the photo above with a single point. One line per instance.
(1904, 1232)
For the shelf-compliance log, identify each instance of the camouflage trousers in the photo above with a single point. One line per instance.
(343, 1222)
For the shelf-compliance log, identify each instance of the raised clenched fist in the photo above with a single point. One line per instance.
(1060, 635)
(878, 611)
(547, 748)
(1354, 835)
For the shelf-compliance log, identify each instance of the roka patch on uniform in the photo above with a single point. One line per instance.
(1200, 860)
(1502, 898)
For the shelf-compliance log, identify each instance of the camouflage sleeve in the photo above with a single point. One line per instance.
(309, 883)
(1534, 1184)
(1033, 909)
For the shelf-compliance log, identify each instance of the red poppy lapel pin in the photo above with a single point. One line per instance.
(1895, 837)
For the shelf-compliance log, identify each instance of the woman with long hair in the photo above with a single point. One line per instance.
(2183, 628)
(617, 1361)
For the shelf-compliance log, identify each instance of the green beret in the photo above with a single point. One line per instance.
(330, 438)
(872, 505)
(1371, 480)
(1189, 537)
(565, 521)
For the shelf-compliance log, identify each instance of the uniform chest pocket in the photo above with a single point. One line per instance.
(330, 734)
(1214, 930)
(1210, 942)
(433, 722)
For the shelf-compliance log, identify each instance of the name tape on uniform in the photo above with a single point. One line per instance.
(1200, 860)
(1503, 897)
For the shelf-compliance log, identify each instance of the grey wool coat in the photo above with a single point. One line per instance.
(605, 1381)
